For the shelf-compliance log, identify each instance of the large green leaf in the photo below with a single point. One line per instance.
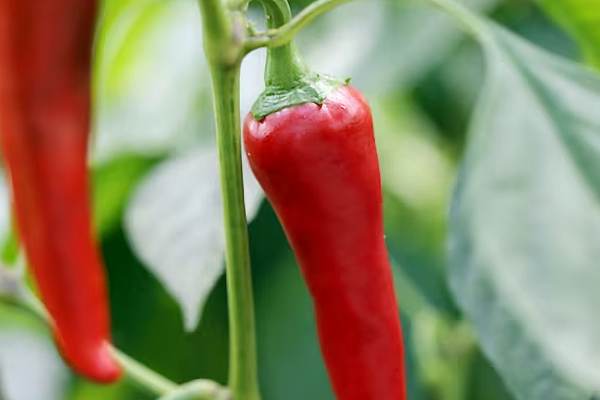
(174, 222)
(150, 78)
(30, 366)
(525, 221)
(581, 18)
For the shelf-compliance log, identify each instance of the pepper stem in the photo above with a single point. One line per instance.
(285, 69)
(289, 81)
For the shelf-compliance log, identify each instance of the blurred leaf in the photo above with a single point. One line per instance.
(526, 218)
(175, 225)
(414, 164)
(85, 390)
(287, 331)
(252, 79)
(11, 285)
(9, 242)
(485, 382)
(9, 252)
(113, 183)
(150, 78)
(30, 368)
(398, 56)
(445, 351)
(411, 300)
(448, 93)
(387, 51)
(146, 318)
(333, 45)
(430, 368)
(5, 211)
(581, 18)
(417, 176)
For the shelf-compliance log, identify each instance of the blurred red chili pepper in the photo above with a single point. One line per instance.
(318, 166)
(45, 51)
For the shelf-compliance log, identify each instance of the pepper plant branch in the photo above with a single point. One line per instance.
(285, 33)
(224, 33)
(143, 376)
(243, 375)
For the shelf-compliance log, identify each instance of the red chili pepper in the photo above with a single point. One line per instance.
(45, 51)
(318, 166)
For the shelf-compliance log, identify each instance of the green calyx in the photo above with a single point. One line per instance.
(308, 88)
(288, 81)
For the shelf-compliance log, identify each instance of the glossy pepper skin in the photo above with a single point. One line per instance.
(318, 166)
(45, 51)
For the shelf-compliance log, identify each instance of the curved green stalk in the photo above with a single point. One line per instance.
(284, 68)
(283, 34)
(142, 376)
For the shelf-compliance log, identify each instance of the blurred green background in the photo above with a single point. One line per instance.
(153, 112)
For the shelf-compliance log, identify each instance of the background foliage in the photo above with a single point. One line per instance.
(157, 204)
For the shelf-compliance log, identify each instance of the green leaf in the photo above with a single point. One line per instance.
(150, 78)
(525, 220)
(387, 51)
(581, 19)
(174, 222)
(113, 183)
(28, 355)
(86, 390)
(8, 239)
(9, 251)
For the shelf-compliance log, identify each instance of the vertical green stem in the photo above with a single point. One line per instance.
(242, 370)
(242, 373)
(223, 48)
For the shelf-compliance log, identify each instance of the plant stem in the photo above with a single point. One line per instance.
(142, 376)
(284, 69)
(243, 376)
(200, 389)
(223, 35)
(285, 33)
